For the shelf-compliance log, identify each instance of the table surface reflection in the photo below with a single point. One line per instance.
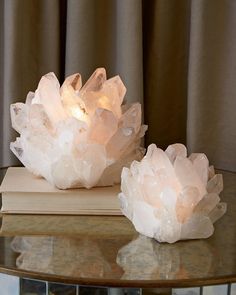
(106, 250)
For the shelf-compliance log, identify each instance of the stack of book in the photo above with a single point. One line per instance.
(24, 193)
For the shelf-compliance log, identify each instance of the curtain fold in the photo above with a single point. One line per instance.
(106, 33)
(176, 57)
(166, 44)
(211, 124)
(30, 48)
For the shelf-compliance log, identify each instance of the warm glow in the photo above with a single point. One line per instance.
(78, 113)
(104, 102)
(169, 196)
(87, 130)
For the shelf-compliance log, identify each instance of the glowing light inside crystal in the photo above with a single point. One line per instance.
(78, 113)
(73, 135)
(169, 196)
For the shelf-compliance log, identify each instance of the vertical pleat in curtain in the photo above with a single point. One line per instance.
(165, 49)
(211, 124)
(30, 47)
(189, 76)
(180, 54)
(106, 33)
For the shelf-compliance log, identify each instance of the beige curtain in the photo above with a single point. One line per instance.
(177, 57)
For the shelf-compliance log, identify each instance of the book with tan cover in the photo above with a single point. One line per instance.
(23, 193)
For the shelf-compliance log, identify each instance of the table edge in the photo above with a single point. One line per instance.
(192, 282)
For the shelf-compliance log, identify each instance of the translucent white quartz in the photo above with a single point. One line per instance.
(77, 136)
(143, 258)
(169, 196)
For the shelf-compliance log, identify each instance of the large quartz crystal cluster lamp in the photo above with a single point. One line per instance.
(77, 136)
(169, 196)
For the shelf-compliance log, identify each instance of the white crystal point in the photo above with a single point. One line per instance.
(17, 149)
(78, 136)
(29, 98)
(103, 125)
(211, 172)
(170, 197)
(109, 94)
(74, 81)
(48, 94)
(69, 95)
(127, 136)
(38, 120)
(146, 226)
(92, 163)
(207, 204)
(201, 165)
(187, 200)
(197, 227)
(218, 212)
(187, 174)
(95, 82)
(215, 184)
(19, 115)
(115, 90)
(68, 178)
(175, 150)
(132, 117)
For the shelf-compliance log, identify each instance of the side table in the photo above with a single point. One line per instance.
(71, 255)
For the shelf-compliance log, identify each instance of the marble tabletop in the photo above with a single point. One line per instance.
(107, 251)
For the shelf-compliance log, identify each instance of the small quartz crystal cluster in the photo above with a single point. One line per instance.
(77, 136)
(169, 196)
